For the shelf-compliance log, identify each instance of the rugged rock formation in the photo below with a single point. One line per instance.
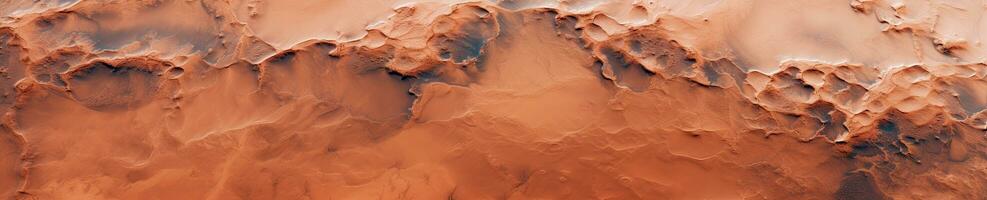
(510, 99)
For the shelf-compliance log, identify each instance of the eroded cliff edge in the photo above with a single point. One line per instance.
(506, 99)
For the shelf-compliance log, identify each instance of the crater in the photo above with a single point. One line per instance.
(115, 85)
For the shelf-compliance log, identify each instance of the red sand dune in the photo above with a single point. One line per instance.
(498, 99)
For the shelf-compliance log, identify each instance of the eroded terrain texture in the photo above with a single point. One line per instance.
(493, 99)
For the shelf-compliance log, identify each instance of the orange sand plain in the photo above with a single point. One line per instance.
(493, 99)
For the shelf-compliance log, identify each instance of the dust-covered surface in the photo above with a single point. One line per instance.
(508, 99)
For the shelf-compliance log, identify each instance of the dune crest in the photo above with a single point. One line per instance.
(497, 99)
